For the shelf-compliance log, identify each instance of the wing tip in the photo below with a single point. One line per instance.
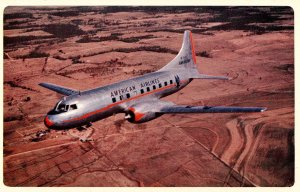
(263, 109)
(42, 84)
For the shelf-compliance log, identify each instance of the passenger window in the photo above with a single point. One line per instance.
(128, 95)
(121, 97)
(166, 83)
(171, 81)
(114, 100)
(148, 89)
(142, 91)
(154, 87)
(159, 85)
(73, 107)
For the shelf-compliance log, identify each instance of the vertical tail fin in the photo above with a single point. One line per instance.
(186, 58)
(185, 61)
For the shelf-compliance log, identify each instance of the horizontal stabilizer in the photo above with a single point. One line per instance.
(208, 109)
(59, 89)
(202, 76)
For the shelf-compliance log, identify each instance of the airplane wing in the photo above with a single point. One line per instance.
(59, 89)
(164, 107)
(208, 109)
(146, 110)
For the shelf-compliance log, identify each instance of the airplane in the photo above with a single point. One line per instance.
(138, 98)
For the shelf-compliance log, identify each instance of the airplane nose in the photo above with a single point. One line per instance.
(48, 122)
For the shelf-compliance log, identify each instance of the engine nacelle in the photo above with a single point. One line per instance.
(140, 116)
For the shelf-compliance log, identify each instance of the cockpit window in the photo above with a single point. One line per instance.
(62, 107)
(73, 107)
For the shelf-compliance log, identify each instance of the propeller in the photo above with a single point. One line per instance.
(128, 116)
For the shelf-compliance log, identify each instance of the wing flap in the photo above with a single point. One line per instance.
(59, 89)
(208, 109)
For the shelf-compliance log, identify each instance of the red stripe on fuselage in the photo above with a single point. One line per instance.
(117, 103)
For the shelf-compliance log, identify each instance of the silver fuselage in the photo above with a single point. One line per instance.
(96, 104)
(138, 97)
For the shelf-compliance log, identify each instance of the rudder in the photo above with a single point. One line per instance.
(186, 58)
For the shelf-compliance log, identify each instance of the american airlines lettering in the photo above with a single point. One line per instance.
(125, 90)
(149, 83)
(122, 91)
